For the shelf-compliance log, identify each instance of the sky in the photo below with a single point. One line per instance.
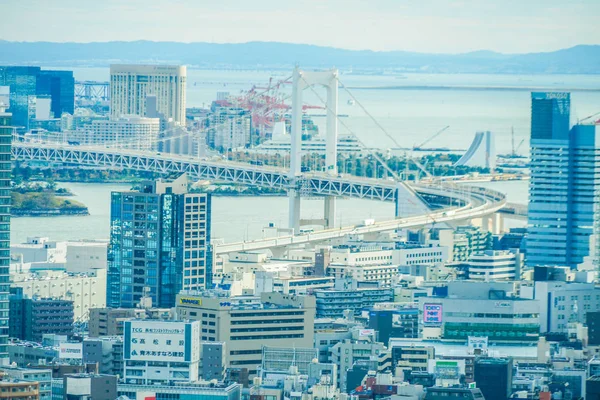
(432, 26)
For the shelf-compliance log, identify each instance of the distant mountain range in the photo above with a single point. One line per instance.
(583, 59)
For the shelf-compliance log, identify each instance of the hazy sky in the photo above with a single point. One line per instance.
(447, 26)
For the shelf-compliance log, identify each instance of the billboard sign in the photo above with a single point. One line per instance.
(432, 314)
(71, 351)
(162, 340)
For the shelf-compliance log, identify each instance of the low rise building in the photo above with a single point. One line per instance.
(183, 391)
(247, 323)
(40, 376)
(90, 386)
(15, 389)
(348, 295)
(359, 349)
(561, 302)
(161, 352)
(488, 309)
(85, 290)
(32, 318)
(495, 265)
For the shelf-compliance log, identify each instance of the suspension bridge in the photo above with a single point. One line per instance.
(414, 206)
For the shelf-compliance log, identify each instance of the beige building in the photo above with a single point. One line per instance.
(131, 84)
(87, 290)
(247, 323)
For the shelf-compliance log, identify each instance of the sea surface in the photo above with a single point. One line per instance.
(233, 218)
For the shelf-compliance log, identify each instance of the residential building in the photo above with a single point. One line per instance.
(212, 364)
(130, 85)
(14, 389)
(161, 352)
(5, 175)
(31, 318)
(563, 185)
(90, 386)
(230, 128)
(495, 265)
(333, 303)
(126, 131)
(462, 242)
(85, 290)
(41, 376)
(246, 323)
(160, 240)
(383, 274)
(348, 352)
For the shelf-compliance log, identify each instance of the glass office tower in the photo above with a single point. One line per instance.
(160, 240)
(5, 175)
(27, 83)
(564, 181)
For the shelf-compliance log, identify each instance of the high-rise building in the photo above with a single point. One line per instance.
(26, 84)
(5, 174)
(160, 240)
(131, 84)
(494, 376)
(563, 184)
(60, 86)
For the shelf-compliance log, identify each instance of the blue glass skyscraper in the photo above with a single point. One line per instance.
(564, 180)
(159, 240)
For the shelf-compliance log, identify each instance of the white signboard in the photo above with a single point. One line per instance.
(161, 340)
(70, 350)
(366, 332)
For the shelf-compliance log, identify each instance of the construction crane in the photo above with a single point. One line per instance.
(438, 133)
(514, 152)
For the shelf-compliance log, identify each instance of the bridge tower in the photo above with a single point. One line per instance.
(302, 80)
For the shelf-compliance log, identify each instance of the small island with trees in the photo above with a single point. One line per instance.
(44, 199)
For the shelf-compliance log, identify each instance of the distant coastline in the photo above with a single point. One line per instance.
(469, 88)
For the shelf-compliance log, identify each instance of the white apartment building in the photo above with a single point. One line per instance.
(494, 265)
(126, 131)
(161, 352)
(383, 274)
(247, 323)
(131, 84)
(85, 290)
(421, 255)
